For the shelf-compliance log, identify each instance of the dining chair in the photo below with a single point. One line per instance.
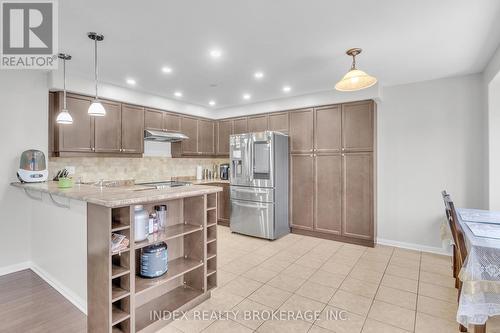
(446, 199)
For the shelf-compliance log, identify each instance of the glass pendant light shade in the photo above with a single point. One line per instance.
(355, 79)
(64, 118)
(96, 109)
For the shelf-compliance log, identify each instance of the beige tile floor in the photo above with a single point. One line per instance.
(381, 290)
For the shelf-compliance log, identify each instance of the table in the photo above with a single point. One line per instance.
(480, 276)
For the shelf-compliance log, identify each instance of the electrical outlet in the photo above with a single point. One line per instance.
(71, 169)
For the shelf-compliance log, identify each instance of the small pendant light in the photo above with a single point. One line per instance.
(64, 117)
(355, 79)
(96, 109)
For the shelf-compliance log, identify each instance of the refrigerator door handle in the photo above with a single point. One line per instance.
(252, 204)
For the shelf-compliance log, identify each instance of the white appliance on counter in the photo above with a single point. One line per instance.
(259, 184)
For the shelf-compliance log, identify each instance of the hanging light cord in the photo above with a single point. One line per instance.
(95, 65)
(353, 62)
(64, 82)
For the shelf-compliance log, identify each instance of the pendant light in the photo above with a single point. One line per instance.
(355, 79)
(96, 109)
(64, 117)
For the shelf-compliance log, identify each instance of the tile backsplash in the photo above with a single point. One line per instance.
(140, 169)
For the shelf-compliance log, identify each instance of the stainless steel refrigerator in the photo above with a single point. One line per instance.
(259, 184)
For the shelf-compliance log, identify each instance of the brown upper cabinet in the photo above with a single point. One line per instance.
(258, 123)
(119, 132)
(278, 122)
(79, 136)
(171, 122)
(206, 143)
(301, 131)
(327, 129)
(189, 126)
(240, 125)
(358, 126)
(153, 119)
(132, 129)
(108, 129)
(224, 131)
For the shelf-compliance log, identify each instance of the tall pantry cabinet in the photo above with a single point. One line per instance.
(331, 172)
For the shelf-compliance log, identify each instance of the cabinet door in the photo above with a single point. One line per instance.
(77, 137)
(223, 203)
(327, 129)
(171, 122)
(132, 129)
(358, 212)
(328, 193)
(257, 123)
(189, 126)
(278, 122)
(224, 130)
(301, 190)
(240, 125)
(357, 126)
(206, 137)
(301, 131)
(108, 129)
(153, 119)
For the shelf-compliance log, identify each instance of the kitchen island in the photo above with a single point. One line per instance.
(118, 299)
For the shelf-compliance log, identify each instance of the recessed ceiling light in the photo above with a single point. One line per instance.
(215, 53)
(287, 89)
(258, 75)
(211, 103)
(166, 69)
(178, 94)
(131, 82)
(247, 96)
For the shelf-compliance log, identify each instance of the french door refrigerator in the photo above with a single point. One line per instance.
(259, 184)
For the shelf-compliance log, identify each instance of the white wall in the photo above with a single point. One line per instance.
(430, 138)
(491, 82)
(322, 98)
(23, 125)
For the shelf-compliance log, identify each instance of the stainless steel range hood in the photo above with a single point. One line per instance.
(163, 136)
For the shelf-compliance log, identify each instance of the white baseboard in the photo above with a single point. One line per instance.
(417, 247)
(76, 300)
(14, 268)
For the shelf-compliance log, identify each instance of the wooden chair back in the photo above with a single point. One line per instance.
(456, 230)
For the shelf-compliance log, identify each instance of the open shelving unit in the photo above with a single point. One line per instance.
(119, 298)
(211, 241)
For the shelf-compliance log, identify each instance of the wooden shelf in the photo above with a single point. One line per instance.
(118, 315)
(118, 293)
(117, 226)
(211, 208)
(117, 271)
(211, 271)
(211, 224)
(174, 231)
(176, 268)
(210, 240)
(211, 255)
(170, 301)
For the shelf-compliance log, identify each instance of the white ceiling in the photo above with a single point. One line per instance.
(299, 43)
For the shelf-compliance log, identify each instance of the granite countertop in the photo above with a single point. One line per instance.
(208, 181)
(118, 196)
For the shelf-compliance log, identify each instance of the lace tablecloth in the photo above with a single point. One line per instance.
(480, 276)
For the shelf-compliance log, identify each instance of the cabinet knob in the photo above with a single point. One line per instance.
(343, 154)
(93, 148)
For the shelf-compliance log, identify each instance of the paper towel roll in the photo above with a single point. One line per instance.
(199, 172)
